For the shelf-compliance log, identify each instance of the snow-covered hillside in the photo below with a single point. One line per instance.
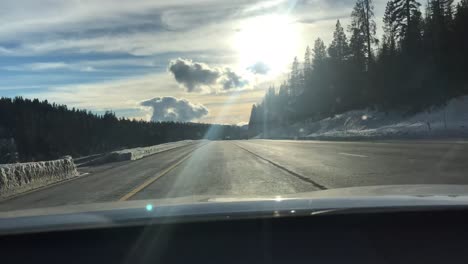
(450, 121)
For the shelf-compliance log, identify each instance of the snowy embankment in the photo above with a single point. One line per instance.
(449, 121)
(136, 153)
(22, 177)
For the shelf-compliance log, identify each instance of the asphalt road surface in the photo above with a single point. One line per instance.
(258, 168)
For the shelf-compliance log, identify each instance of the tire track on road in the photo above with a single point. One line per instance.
(295, 174)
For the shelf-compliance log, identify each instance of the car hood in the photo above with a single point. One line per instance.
(207, 208)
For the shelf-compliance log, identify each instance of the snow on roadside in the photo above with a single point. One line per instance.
(449, 121)
(20, 177)
(136, 153)
(444, 122)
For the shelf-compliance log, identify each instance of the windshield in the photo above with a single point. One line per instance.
(112, 101)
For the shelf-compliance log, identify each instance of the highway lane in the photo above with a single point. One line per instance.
(104, 183)
(347, 164)
(214, 168)
(259, 168)
(222, 168)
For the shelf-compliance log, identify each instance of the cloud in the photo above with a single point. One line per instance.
(174, 109)
(147, 27)
(127, 93)
(49, 66)
(259, 68)
(195, 76)
(87, 65)
(144, 27)
(231, 80)
(61, 49)
(314, 20)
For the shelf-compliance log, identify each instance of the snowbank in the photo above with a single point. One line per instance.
(136, 153)
(21, 177)
(450, 121)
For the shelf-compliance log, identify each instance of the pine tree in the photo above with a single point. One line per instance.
(390, 29)
(339, 48)
(438, 30)
(441, 13)
(447, 6)
(363, 30)
(295, 80)
(461, 44)
(404, 10)
(319, 54)
(406, 22)
(307, 61)
(253, 122)
(307, 71)
(422, 62)
(358, 49)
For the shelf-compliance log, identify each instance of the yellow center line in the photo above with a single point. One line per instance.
(156, 177)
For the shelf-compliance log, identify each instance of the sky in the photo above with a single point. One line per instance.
(191, 61)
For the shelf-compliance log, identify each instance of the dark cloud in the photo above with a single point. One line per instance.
(192, 74)
(259, 68)
(195, 75)
(232, 80)
(313, 20)
(174, 109)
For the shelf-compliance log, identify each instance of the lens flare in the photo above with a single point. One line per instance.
(149, 207)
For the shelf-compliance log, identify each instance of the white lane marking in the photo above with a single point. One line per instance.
(353, 155)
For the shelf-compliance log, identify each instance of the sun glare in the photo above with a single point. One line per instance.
(268, 40)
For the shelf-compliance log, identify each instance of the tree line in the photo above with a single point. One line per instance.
(43, 131)
(420, 61)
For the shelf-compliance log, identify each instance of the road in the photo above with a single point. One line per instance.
(258, 168)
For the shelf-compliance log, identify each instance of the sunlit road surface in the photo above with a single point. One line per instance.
(258, 168)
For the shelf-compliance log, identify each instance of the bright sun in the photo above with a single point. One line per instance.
(268, 40)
